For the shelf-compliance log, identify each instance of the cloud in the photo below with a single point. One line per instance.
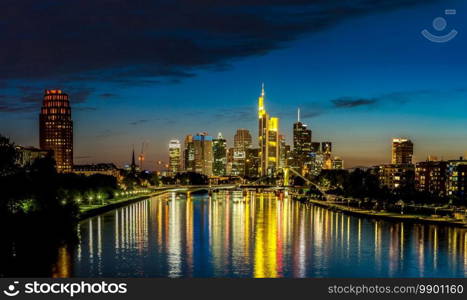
(85, 108)
(28, 98)
(129, 42)
(138, 122)
(347, 102)
(108, 95)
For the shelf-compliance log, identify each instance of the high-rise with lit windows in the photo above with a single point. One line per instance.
(56, 128)
(268, 138)
(203, 153)
(301, 144)
(242, 142)
(175, 153)
(402, 151)
(219, 152)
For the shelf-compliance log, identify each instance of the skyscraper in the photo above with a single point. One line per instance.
(326, 149)
(56, 128)
(252, 162)
(268, 138)
(203, 153)
(219, 151)
(402, 151)
(283, 152)
(242, 142)
(175, 153)
(189, 154)
(302, 144)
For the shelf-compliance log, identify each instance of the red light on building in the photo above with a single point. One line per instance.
(56, 128)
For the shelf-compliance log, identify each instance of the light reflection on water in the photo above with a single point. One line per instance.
(248, 234)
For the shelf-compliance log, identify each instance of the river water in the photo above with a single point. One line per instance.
(248, 234)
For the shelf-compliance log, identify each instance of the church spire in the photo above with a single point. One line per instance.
(133, 164)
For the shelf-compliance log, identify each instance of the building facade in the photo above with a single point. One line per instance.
(175, 157)
(326, 150)
(395, 176)
(402, 151)
(242, 142)
(253, 162)
(268, 139)
(302, 146)
(337, 163)
(56, 128)
(431, 177)
(457, 179)
(27, 155)
(203, 153)
(219, 151)
(189, 154)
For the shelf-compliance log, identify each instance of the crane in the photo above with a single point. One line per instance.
(141, 155)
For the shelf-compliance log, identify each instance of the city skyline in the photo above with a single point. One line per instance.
(352, 91)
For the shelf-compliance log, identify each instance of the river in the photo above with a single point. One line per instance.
(248, 234)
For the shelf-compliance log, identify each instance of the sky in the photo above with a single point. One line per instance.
(155, 70)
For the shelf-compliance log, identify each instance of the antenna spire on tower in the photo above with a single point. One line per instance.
(262, 89)
(298, 115)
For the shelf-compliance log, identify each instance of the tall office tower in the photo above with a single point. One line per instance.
(56, 128)
(252, 162)
(315, 147)
(189, 154)
(230, 161)
(402, 151)
(175, 153)
(326, 150)
(283, 152)
(219, 151)
(302, 144)
(301, 136)
(242, 142)
(268, 138)
(203, 153)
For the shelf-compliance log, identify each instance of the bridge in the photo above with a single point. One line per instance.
(254, 185)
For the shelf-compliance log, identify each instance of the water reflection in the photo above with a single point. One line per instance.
(249, 234)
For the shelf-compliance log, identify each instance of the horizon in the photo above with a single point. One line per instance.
(359, 78)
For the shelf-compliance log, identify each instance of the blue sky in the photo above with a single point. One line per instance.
(360, 79)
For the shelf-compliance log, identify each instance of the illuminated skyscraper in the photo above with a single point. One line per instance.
(203, 153)
(175, 153)
(302, 144)
(337, 163)
(242, 142)
(402, 151)
(326, 150)
(56, 128)
(219, 151)
(252, 162)
(268, 138)
(283, 152)
(189, 154)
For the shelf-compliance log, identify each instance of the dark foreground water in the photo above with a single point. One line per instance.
(232, 234)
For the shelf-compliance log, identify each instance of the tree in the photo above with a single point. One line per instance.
(8, 157)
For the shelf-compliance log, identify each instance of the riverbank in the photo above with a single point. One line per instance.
(390, 216)
(91, 211)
